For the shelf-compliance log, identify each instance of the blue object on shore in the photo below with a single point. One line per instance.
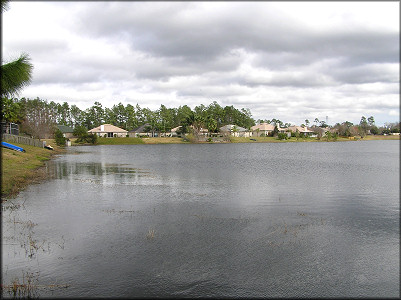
(12, 147)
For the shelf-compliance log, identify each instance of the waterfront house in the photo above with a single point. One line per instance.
(143, 130)
(300, 129)
(263, 128)
(108, 130)
(174, 131)
(66, 130)
(235, 130)
(199, 131)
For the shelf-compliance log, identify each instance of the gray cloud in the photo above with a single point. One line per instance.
(241, 53)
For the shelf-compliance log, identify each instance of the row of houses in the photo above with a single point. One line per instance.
(263, 129)
(266, 129)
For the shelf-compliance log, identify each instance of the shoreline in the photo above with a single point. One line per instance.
(21, 169)
(233, 140)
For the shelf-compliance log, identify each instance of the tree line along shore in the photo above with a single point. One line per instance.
(39, 119)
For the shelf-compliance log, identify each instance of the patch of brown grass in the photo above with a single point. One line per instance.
(163, 140)
(380, 137)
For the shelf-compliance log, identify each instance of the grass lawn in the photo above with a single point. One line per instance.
(119, 141)
(176, 140)
(134, 141)
(269, 139)
(380, 137)
(22, 168)
(164, 140)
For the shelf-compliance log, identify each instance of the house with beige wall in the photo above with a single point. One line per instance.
(235, 130)
(262, 128)
(108, 130)
(300, 129)
(67, 131)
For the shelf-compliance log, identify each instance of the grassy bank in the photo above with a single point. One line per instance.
(380, 137)
(310, 139)
(176, 140)
(134, 141)
(164, 140)
(20, 169)
(119, 141)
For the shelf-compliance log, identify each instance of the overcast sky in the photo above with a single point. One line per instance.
(286, 60)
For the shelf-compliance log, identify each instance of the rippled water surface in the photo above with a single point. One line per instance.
(218, 220)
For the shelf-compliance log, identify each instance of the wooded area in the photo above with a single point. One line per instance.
(38, 117)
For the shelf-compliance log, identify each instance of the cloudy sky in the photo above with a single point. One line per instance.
(286, 60)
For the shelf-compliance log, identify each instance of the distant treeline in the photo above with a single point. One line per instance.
(37, 117)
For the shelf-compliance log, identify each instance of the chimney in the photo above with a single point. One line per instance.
(101, 127)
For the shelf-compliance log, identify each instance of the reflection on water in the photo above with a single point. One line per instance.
(100, 173)
(243, 220)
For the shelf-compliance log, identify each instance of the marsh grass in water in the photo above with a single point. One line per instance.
(151, 234)
(11, 207)
(28, 287)
(25, 289)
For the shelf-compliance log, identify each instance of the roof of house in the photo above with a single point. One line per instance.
(65, 129)
(175, 128)
(263, 127)
(300, 129)
(230, 127)
(140, 128)
(108, 128)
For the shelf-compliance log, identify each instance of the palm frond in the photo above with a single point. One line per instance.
(15, 75)
(4, 5)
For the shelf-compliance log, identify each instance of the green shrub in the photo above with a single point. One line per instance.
(80, 131)
(60, 139)
(83, 137)
(190, 138)
(92, 138)
(282, 136)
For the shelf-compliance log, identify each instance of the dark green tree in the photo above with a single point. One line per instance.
(363, 126)
(59, 137)
(371, 121)
(12, 111)
(275, 131)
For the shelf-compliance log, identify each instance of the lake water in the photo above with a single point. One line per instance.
(210, 220)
